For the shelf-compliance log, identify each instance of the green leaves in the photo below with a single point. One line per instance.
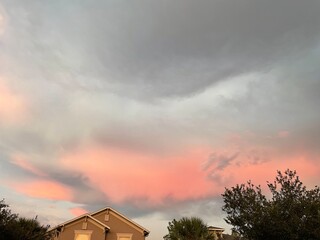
(188, 229)
(292, 211)
(244, 205)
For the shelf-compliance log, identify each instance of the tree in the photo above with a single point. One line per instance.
(7, 219)
(13, 227)
(291, 211)
(188, 229)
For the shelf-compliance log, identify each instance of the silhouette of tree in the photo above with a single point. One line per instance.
(292, 211)
(13, 227)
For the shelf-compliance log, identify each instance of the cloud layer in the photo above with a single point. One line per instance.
(154, 107)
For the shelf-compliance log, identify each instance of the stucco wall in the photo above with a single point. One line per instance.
(68, 232)
(117, 225)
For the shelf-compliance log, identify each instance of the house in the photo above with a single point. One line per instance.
(216, 232)
(105, 224)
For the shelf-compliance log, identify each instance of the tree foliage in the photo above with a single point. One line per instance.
(188, 229)
(290, 212)
(13, 227)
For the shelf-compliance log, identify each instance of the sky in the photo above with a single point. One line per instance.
(153, 107)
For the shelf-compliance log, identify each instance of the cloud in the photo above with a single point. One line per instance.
(44, 189)
(82, 74)
(135, 176)
(78, 211)
(2, 21)
(283, 134)
(157, 49)
(81, 187)
(23, 163)
(13, 108)
(123, 103)
(220, 161)
(207, 41)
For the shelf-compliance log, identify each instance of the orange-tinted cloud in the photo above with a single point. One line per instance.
(12, 106)
(44, 189)
(127, 175)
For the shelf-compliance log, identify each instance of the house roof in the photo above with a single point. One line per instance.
(146, 232)
(90, 216)
(80, 217)
(212, 228)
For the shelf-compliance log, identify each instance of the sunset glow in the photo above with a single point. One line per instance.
(44, 189)
(139, 176)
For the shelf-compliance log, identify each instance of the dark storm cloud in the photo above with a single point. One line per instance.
(152, 49)
(187, 46)
(164, 48)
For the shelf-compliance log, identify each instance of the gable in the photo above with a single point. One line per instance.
(99, 225)
(118, 222)
(84, 224)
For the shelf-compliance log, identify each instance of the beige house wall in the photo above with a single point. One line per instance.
(119, 225)
(68, 232)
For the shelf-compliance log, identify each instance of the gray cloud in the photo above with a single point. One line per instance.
(160, 48)
(208, 209)
(224, 161)
(8, 170)
(216, 164)
(284, 100)
(172, 209)
(84, 192)
(110, 52)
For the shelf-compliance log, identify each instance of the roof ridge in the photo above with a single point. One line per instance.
(77, 218)
(93, 218)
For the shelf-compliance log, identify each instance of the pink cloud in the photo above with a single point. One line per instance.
(125, 175)
(44, 189)
(266, 171)
(77, 211)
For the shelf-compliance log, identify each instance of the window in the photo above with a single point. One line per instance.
(82, 235)
(124, 236)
